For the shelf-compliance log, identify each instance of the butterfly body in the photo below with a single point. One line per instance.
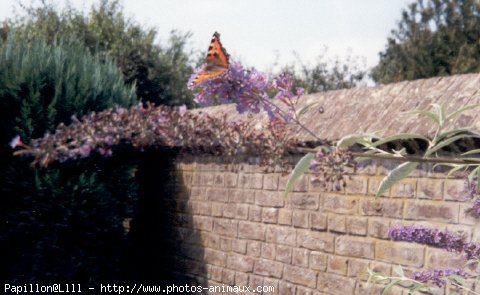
(216, 63)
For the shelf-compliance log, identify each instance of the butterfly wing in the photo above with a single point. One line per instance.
(216, 63)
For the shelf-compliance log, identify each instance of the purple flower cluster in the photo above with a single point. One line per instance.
(437, 276)
(428, 236)
(250, 90)
(434, 237)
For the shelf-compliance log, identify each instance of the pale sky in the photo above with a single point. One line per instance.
(257, 31)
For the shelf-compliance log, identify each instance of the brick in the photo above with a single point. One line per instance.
(284, 216)
(374, 289)
(202, 222)
(304, 201)
(196, 179)
(300, 219)
(200, 208)
(404, 188)
(241, 196)
(400, 253)
(337, 223)
(300, 257)
(228, 277)
(354, 247)
(229, 210)
(270, 181)
(283, 254)
(374, 184)
(241, 279)
(268, 268)
(225, 227)
(319, 241)
(301, 185)
(251, 230)
(198, 193)
(269, 199)
(230, 179)
(381, 207)
(239, 246)
(271, 283)
(381, 267)
(335, 284)
(255, 213)
(270, 215)
(432, 211)
(368, 167)
(318, 261)
(215, 273)
(357, 226)
(340, 204)
(268, 251)
(212, 241)
(281, 235)
(318, 221)
(438, 258)
(356, 185)
(378, 228)
(255, 281)
(216, 209)
(254, 249)
(217, 194)
(358, 268)
(214, 257)
(338, 265)
(466, 217)
(285, 288)
(206, 179)
(240, 262)
(218, 180)
(225, 244)
(430, 189)
(454, 190)
(303, 291)
(242, 211)
(301, 276)
(254, 181)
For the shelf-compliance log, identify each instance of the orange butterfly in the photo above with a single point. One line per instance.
(216, 63)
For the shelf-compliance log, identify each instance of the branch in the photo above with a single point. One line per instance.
(437, 160)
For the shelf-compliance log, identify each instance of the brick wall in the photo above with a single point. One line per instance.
(234, 227)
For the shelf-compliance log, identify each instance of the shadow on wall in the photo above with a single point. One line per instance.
(153, 255)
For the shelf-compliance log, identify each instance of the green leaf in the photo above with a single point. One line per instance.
(441, 113)
(478, 179)
(458, 279)
(428, 114)
(306, 108)
(454, 169)
(461, 110)
(397, 174)
(447, 142)
(349, 140)
(298, 171)
(452, 132)
(415, 287)
(473, 174)
(398, 270)
(471, 152)
(398, 137)
(389, 286)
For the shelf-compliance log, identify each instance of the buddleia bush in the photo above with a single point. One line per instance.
(59, 224)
